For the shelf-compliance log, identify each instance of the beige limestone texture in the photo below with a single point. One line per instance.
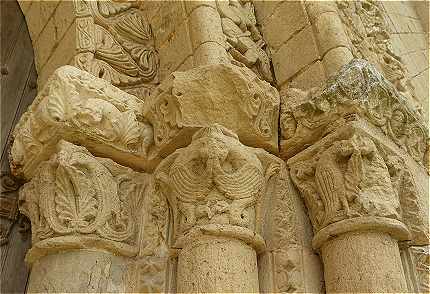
(358, 90)
(364, 262)
(102, 220)
(226, 94)
(76, 106)
(80, 271)
(359, 142)
(213, 264)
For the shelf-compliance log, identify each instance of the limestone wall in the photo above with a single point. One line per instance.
(52, 32)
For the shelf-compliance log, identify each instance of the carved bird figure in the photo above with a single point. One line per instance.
(330, 180)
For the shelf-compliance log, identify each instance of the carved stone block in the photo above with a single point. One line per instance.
(78, 107)
(357, 91)
(354, 173)
(225, 94)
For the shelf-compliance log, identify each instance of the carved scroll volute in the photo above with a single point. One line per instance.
(346, 179)
(215, 180)
(75, 197)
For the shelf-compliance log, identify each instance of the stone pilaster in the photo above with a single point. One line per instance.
(355, 211)
(215, 188)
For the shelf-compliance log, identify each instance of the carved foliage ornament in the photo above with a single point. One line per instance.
(186, 101)
(244, 41)
(78, 106)
(357, 89)
(123, 49)
(75, 193)
(215, 180)
(346, 179)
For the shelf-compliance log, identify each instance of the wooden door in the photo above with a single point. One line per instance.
(18, 89)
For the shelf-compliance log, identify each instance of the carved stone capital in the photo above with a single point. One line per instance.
(347, 185)
(78, 107)
(226, 94)
(215, 186)
(77, 201)
(357, 92)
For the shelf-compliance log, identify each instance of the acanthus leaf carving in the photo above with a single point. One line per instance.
(78, 107)
(76, 194)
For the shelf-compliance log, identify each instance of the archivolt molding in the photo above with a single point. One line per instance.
(358, 91)
(244, 41)
(115, 42)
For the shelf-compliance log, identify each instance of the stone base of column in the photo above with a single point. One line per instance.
(79, 271)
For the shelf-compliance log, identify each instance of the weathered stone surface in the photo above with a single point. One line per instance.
(76, 202)
(226, 94)
(358, 90)
(220, 193)
(78, 107)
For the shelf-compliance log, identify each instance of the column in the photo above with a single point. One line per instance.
(355, 212)
(215, 188)
(84, 215)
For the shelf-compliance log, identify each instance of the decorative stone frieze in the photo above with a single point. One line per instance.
(115, 42)
(358, 91)
(226, 94)
(245, 43)
(215, 188)
(78, 107)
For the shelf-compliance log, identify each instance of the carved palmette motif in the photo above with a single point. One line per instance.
(116, 43)
(244, 41)
(75, 193)
(368, 31)
(215, 180)
(346, 179)
(358, 90)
